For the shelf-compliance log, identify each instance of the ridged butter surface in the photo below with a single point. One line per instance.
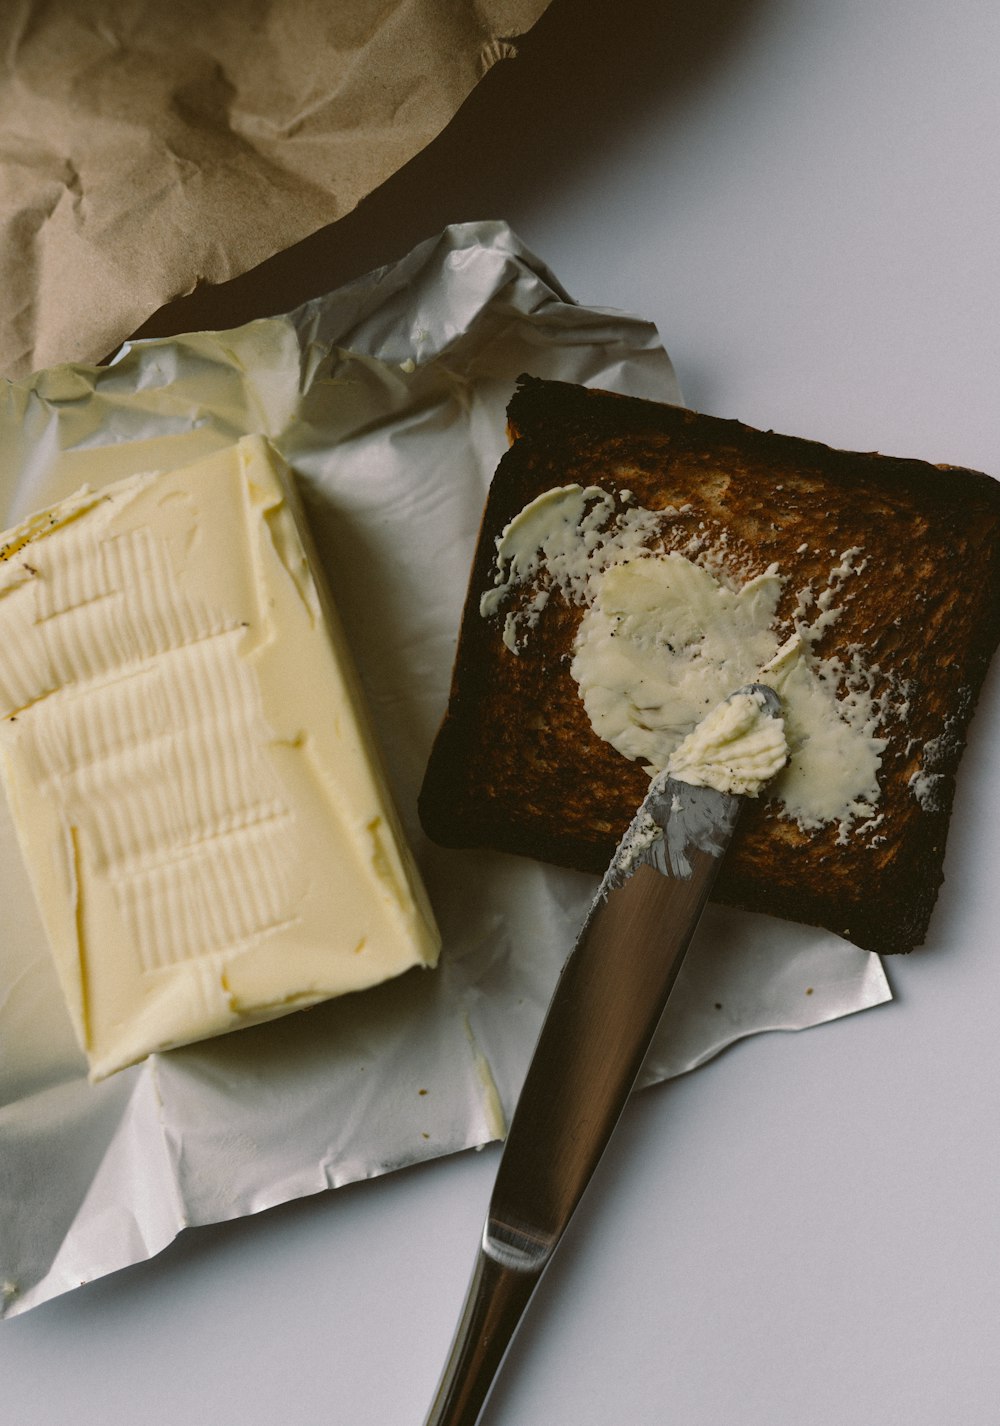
(194, 787)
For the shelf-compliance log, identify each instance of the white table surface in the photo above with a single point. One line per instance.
(805, 196)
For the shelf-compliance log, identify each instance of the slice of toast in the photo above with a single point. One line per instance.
(885, 571)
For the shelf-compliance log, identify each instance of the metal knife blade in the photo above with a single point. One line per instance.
(607, 1004)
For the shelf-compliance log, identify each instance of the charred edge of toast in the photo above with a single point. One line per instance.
(565, 411)
(482, 787)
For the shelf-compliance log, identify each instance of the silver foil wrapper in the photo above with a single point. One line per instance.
(388, 398)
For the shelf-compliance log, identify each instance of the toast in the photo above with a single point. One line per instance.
(868, 582)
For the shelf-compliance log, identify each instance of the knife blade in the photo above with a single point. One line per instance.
(608, 1001)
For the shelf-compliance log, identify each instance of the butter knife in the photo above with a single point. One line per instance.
(607, 1004)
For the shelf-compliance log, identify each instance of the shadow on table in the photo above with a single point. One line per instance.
(585, 78)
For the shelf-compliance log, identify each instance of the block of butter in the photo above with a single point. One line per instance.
(195, 789)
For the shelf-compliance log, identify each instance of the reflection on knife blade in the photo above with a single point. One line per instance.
(605, 1009)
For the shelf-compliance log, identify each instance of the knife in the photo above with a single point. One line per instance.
(602, 1017)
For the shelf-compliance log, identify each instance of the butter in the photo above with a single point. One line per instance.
(195, 790)
(664, 640)
(667, 634)
(737, 748)
(561, 539)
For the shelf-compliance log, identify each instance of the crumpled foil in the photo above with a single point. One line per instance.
(388, 398)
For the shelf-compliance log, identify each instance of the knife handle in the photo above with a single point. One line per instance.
(598, 1029)
(607, 1004)
(588, 1055)
(497, 1296)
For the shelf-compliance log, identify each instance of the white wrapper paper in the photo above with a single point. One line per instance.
(388, 399)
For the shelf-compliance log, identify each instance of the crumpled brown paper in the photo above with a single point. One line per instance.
(146, 148)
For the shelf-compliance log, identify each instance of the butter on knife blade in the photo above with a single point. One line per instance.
(196, 793)
(602, 1017)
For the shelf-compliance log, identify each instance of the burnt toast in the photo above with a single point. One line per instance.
(517, 764)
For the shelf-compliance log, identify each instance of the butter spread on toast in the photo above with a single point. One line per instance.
(665, 637)
(737, 748)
